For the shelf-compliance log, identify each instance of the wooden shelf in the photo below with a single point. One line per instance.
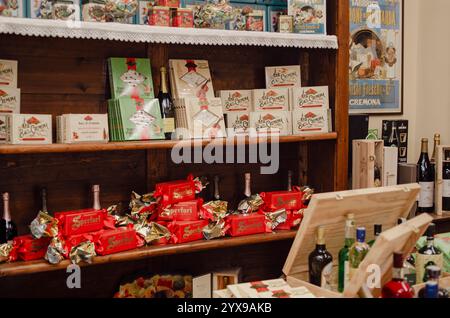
(445, 217)
(157, 34)
(145, 145)
(23, 268)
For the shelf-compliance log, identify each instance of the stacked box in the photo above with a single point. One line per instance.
(13, 8)
(28, 129)
(82, 128)
(9, 94)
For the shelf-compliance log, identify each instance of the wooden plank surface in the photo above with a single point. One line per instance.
(23, 268)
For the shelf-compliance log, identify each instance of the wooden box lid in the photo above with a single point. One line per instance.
(370, 206)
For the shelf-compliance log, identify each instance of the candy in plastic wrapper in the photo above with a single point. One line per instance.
(81, 221)
(44, 226)
(183, 211)
(214, 210)
(215, 230)
(56, 251)
(84, 252)
(6, 253)
(307, 194)
(289, 200)
(140, 204)
(115, 241)
(246, 224)
(251, 204)
(184, 232)
(173, 192)
(274, 219)
(152, 232)
(29, 248)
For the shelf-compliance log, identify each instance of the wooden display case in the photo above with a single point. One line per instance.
(368, 154)
(370, 206)
(69, 75)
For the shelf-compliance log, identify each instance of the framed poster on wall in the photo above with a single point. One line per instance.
(376, 57)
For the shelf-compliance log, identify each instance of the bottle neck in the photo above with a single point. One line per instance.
(216, 188)
(248, 190)
(6, 211)
(96, 194)
(430, 241)
(424, 151)
(289, 185)
(164, 88)
(397, 273)
(349, 233)
(44, 201)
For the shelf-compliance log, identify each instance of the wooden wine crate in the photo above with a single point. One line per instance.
(370, 206)
(440, 160)
(370, 153)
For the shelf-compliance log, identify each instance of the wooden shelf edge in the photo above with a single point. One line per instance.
(445, 217)
(158, 144)
(24, 268)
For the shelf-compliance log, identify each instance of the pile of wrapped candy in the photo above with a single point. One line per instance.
(172, 214)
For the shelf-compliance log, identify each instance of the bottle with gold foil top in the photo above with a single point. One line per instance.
(216, 188)
(437, 143)
(166, 106)
(96, 196)
(427, 256)
(320, 262)
(8, 227)
(44, 200)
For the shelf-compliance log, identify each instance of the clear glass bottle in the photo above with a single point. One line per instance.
(358, 251)
(343, 253)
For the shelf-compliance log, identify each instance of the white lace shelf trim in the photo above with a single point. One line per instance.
(155, 34)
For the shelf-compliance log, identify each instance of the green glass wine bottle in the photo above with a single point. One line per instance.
(343, 253)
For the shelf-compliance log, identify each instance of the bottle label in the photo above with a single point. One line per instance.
(346, 273)
(423, 261)
(169, 125)
(326, 277)
(426, 194)
(446, 189)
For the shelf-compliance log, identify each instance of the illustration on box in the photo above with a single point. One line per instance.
(238, 123)
(309, 16)
(310, 97)
(310, 121)
(283, 76)
(29, 129)
(271, 99)
(236, 101)
(12, 8)
(271, 123)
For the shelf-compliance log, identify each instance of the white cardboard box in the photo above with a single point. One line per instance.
(238, 123)
(283, 76)
(271, 123)
(270, 99)
(28, 129)
(236, 100)
(80, 128)
(310, 120)
(310, 97)
(8, 73)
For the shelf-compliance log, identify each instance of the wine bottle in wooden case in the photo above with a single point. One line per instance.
(135, 119)
(310, 16)
(310, 120)
(13, 8)
(271, 123)
(28, 129)
(271, 99)
(131, 77)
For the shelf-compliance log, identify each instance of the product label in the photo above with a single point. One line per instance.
(326, 277)
(169, 125)
(446, 189)
(423, 261)
(426, 194)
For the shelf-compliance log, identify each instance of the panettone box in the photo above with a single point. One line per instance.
(370, 206)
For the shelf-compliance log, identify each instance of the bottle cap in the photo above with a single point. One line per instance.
(398, 260)
(401, 221)
(163, 69)
(6, 196)
(361, 234)
(431, 231)
(377, 229)
(433, 272)
(351, 216)
(321, 235)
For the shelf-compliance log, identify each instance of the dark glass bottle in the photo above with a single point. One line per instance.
(431, 289)
(425, 177)
(166, 105)
(377, 229)
(397, 287)
(446, 183)
(216, 188)
(44, 200)
(427, 256)
(10, 227)
(320, 263)
(289, 182)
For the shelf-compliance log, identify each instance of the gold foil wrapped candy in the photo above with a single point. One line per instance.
(307, 194)
(84, 252)
(56, 251)
(276, 218)
(5, 250)
(251, 204)
(151, 231)
(215, 210)
(44, 226)
(215, 230)
(142, 203)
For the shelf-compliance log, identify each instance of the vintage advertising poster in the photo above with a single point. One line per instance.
(376, 56)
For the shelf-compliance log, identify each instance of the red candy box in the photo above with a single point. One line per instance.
(183, 18)
(289, 200)
(29, 248)
(115, 241)
(241, 225)
(184, 232)
(81, 221)
(183, 211)
(176, 191)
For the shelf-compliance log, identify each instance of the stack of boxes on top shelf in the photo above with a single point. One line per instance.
(283, 108)
(17, 128)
